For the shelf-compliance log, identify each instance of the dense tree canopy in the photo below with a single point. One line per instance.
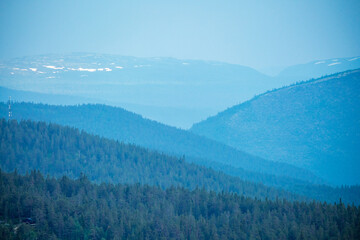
(58, 151)
(312, 125)
(121, 125)
(78, 209)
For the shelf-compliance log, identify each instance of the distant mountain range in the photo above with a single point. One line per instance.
(35, 97)
(122, 125)
(316, 69)
(313, 125)
(172, 91)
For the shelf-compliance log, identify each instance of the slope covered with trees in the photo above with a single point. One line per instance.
(121, 125)
(58, 151)
(314, 125)
(32, 207)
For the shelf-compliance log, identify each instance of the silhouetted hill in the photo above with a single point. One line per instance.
(314, 125)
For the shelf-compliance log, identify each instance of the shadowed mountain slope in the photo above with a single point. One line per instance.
(314, 125)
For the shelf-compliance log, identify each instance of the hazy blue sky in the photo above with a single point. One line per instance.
(253, 33)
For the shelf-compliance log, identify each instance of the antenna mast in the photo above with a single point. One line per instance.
(10, 113)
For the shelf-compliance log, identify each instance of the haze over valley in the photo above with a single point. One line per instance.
(159, 84)
(179, 120)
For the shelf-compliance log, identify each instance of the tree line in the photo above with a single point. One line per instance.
(78, 209)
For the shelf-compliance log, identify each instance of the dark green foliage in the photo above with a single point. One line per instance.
(121, 125)
(78, 209)
(348, 194)
(50, 159)
(58, 151)
(313, 124)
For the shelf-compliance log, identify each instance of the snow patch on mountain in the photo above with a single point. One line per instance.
(353, 59)
(53, 67)
(335, 63)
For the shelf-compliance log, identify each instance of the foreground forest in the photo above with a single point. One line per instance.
(34, 207)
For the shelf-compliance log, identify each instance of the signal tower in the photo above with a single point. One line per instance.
(9, 104)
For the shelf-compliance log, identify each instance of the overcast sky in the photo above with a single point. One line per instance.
(258, 34)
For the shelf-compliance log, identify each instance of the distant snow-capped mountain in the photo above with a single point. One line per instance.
(316, 69)
(173, 91)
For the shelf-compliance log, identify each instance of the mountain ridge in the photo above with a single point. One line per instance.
(133, 128)
(309, 81)
(317, 69)
(323, 108)
(158, 82)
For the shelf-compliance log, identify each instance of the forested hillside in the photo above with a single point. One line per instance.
(314, 125)
(322, 192)
(34, 207)
(121, 125)
(58, 151)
